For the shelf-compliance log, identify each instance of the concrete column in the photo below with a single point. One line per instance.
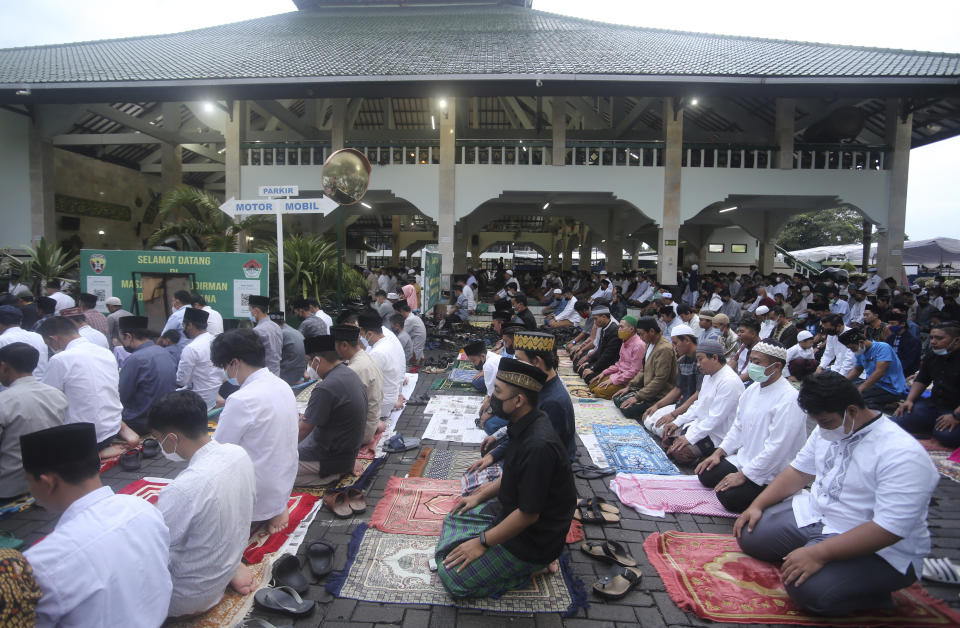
(614, 244)
(338, 123)
(475, 252)
(171, 155)
(784, 129)
(768, 253)
(586, 248)
(447, 217)
(234, 135)
(559, 123)
(890, 240)
(867, 237)
(395, 242)
(564, 245)
(42, 188)
(669, 232)
(635, 249)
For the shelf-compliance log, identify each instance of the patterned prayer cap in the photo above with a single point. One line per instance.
(71, 312)
(521, 374)
(707, 315)
(721, 319)
(534, 341)
(603, 309)
(778, 353)
(683, 330)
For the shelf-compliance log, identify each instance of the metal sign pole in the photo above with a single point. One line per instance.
(280, 269)
(340, 252)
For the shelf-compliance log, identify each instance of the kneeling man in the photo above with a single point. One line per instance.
(487, 551)
(207, 507)
(860, 532)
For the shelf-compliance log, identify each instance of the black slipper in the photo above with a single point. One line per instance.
(400, 443)
(320, 557)
(151, 448)
(609, 552)
(593, 472)
(618, 583)
(286, 573)
(283, 600)
(130, 461)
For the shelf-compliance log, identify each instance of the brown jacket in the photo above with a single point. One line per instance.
(658, 375)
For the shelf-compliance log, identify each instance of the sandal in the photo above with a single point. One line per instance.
(151, 448)
(608, 552)
(337, 504)
(593, 472)
(596, 512)
(398, 444)
(618, 584)
(357, 501)
(286, 573)
(941, 570)
(283, 600)
(130, 461)
(320, 557)
(603, 504)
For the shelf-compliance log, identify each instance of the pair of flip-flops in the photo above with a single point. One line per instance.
(400, 443)
(941, 570)
(591, 471)
(345, 504)
(596, 510)
(290, 585)
(623, 578)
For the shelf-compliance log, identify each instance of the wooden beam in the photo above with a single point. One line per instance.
(116, 139)
(511, 116)
(158, 132)
(185, 168)
(210, 153)
(353, 110)
(641, 106)
(518, 111)
(288, 119)
(585, 108)
(387, 105)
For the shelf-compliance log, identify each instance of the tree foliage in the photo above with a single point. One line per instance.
(822, 228)
(44, 262)
(205, 228)
(310, 269)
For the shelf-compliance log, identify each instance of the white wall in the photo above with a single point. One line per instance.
(728, 236)
(14, 179)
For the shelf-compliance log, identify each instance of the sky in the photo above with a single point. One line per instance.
(932, 200)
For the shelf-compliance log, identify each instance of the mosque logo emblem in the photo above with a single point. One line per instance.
(252, 269)
(98, 263)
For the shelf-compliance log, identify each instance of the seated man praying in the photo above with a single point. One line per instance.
(207, 507)
(860, 532)
(485, 551)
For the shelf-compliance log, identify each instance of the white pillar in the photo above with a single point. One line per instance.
(42, 187)
(669, 231)
(447, 215)
(890, 240)
(338, 124)
(558, 121)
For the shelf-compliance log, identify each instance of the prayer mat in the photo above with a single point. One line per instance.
(947, 467)
(415, 505)
(444, 383)
(630, 449)
(147, 488)
(955, 456)
(575, 533)
(211, 427)
(931, 445)
(457, 427)
(367, 468)
(262, 542)
(592, 446)
(394, 568)
(462, 375)
(708, 575)
(12, 507)
(231, 610)
(590, 412)
(416, 469)
(656, 495)
(445, 464)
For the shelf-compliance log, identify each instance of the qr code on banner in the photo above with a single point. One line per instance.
(244, 299)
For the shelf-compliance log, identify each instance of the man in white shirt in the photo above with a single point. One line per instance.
(105, 563)
(860, 532)
(604, 291)
(270, 333)
(87, 375)
(388, 354)
(566, 317)
(858, 304)
(836, 357)
(261, 416)
(766, 325)
(10, 332)
(207, 507)
(709, 418)
(181, 301)
(511, 282)
(766, 434)
(471, 298)
(26, 405)
(52, 288)
(214, 320)
(83, 328)
(839, 305)
(195, 371)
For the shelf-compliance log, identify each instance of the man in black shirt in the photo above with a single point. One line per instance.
(484, 553)
(939, 415)
(523, 312)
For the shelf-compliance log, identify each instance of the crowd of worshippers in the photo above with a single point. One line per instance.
(80, 387)
(728, 390)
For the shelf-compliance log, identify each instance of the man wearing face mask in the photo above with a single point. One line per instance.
(347, 345)
(207, 507)
(270, 333)
(940, 414)
(860, 532)
(387, 352)
(262, 418)
(878, 362)
(615, 377)
(331, 431)
(147, 375)
(766, 434)
(486, 551)
(195, 371)
(904, 343)
(836, 357)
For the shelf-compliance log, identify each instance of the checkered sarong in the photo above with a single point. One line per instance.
(491, 575)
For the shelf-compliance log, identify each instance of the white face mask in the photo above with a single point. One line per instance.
(172, 456)
(838, 433)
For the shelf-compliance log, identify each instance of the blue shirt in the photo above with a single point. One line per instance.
(148, 374)
(893, 380)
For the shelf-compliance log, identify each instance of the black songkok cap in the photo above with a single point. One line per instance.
(477, 347)
(58, 446)
(193, 315)
(512, 328)
(259, 301)
(129, 323)
(521, 374)
(345, 333)
(370, 321)
(318, 344)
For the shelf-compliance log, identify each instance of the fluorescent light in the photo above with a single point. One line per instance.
(634, 155)
(433, 123)
(694, 102)
(208, 107)
(443, 103)
(546, 205)
(365, 205)
(102, 232)
(727, 209)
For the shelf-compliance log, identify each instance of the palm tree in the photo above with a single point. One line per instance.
(206, 228)
(44, 262)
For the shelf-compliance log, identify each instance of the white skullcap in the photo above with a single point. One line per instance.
(683, 330)
(411, 271)
(695, 267)
(804, 335)
(666, 295)
(509, 272)
(557, 291)
(603, 272)
(393, 296)
(113, 301)
(773, 351)
(763, 309)
(804, 288)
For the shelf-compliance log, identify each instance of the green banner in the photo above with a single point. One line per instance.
(225, 280)
(431, 279)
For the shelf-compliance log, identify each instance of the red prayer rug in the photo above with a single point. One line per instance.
(415, 505)
(656, 495)
(708, 575)
(147, 488)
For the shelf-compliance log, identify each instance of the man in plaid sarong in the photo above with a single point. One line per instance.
(485, 553)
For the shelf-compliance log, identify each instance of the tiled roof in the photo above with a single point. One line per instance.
(464, 41)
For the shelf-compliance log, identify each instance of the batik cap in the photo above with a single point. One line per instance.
(534, 341)
(521, 374)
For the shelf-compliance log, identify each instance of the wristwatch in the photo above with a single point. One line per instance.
(483, 539)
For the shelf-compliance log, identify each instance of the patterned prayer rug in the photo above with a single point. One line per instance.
(656, 495)
(708, 575)
(367, 468)
(415, 505)
(14, 506)
(369, 452)
(231, 610)
(947, 467)
(445, 464)
(630, 449)
(394, 568)
(590, 412)
(444, 383)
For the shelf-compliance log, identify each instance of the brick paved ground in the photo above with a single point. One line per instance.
(648, 605)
